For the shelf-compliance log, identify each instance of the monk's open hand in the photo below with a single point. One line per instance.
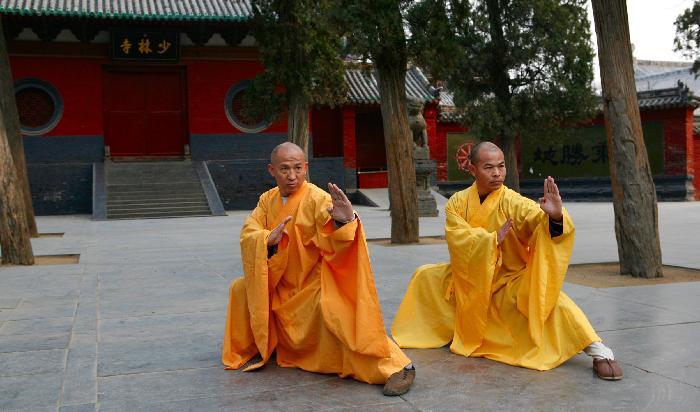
(278, 232)
(551, 201)
(503, 231)
(342, 208)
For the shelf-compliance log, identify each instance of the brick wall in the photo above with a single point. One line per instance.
(241, 182)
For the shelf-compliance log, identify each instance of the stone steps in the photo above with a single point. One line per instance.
(148, 190)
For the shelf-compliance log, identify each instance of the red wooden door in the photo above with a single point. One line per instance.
(145, 113)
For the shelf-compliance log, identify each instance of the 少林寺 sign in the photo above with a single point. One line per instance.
(145, 45)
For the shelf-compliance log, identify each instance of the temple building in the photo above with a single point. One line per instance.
(134, 108)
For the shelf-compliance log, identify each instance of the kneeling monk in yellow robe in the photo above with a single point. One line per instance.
(500, 296)
(308, 291)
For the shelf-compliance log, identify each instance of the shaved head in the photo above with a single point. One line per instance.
(488, 166)
(284, 149)
(288, 166)
(480, 147)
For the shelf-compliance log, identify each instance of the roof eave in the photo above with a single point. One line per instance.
(122, 16)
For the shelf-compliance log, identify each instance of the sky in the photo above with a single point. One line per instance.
(651, 29)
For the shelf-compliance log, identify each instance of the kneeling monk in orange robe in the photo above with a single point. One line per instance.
(308, 291)
(500, 295)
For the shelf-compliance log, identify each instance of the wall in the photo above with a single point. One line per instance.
(241, 182)
(696, 163)
(439, 149)
(669, 143)
(208, 81)
(79, 82)
(327, 132)
(371, 152)
(59, 164)
(678, 139)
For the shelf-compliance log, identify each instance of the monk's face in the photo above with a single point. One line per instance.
(489, 171)
(289, 168)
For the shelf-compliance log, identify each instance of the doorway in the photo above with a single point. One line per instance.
(144, 112)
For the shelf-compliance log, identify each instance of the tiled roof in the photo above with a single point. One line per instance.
(447, 111)
(659, 99)
(363, 87)
(132, 9)
(674, 97)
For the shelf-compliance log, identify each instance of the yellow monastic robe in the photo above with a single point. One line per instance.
(314, 302)
(503, 303)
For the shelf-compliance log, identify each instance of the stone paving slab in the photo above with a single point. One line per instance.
(137, 325)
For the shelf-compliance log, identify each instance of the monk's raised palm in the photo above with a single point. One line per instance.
(550, 202)
(342, 208)
(278, 232)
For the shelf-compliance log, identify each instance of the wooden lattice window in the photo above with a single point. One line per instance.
(39, 106)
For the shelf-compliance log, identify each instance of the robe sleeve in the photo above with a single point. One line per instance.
(548, 261)
(349, 300)
(257, 275)
(474, 256)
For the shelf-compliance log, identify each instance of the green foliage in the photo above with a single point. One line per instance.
(374, 31)
(299, 47)
(515, 66)
(687, 38)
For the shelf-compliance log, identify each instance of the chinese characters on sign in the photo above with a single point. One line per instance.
(583, 152)
(571, 154)
(144, 45)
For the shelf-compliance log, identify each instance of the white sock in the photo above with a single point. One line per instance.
(599, 351)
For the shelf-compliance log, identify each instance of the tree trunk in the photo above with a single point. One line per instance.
(511, 157)
(298, 123)
(8, 109)
(15, 242)
(501, 78)
(403, 194)
(634, 194)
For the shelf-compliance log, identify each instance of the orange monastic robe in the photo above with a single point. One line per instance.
(314, 302)
(499, 302)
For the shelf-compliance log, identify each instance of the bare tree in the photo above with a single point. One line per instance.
(634, 194)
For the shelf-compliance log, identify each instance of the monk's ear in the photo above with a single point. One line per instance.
(472, 169)
(271, 169)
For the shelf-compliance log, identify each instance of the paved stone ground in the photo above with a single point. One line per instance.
(137, 325)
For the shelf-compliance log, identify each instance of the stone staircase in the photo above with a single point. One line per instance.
(142, 190)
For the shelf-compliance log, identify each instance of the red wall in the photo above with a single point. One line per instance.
(78, 81)
(696, 163)
(208, 81)
(349, 137)
(327, 131)
(371, 153)
(678, 138)
(373, 180)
